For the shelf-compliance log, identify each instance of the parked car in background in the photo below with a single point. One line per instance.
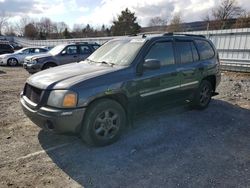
(60, 55)
(16, 46)
(98, 97)
(19, 56)
(5, 48)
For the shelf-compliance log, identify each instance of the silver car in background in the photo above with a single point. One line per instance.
(19, 56)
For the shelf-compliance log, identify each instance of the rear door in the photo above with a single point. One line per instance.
(190, 70)
(84, 52)
(159, 87)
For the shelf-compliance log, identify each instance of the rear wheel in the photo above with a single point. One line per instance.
(103, 122)
(12, 62)
(203, 95)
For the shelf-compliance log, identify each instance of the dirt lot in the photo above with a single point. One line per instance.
(171, 148)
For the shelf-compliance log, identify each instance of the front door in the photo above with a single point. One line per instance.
(68, 55)
(161, 86)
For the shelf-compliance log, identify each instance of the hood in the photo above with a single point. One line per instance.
(6, 55)
(63, 77)
(39, 56)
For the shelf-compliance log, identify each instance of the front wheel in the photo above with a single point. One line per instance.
(12, 62)
(203, 95)
(48, 66)
(103, 122)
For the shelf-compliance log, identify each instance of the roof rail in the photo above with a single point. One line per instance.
(183, 34)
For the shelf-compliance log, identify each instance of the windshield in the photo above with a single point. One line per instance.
(56, 50)
(20, 51)
(117, 52)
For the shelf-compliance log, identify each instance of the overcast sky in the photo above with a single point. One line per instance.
(98, 12)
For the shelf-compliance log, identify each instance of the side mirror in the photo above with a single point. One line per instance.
(64, 52)
(151, 64)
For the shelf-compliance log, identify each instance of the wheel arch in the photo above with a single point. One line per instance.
(49, 62)
(12, 58)
(212, 80)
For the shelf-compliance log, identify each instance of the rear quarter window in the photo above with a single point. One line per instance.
(205, 49)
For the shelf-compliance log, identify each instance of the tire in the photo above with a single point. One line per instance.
(203, 95)
(49, 65)
(103, 123)
(12, 62)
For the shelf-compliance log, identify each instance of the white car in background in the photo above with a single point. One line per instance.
(19, 56)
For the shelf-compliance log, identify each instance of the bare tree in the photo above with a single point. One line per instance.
(243, 21)
(3, 20)
(228, 9)
(9, 30)
(175, 23)
(158, 21)
(20, 25)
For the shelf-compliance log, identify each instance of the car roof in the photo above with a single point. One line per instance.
(160, 36)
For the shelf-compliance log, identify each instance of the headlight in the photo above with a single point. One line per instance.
(62, 99)
(33, 61)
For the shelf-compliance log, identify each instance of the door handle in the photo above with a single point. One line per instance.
(201, 68)
(173, 73)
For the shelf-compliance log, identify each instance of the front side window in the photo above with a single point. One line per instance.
(26, 51)
(95, 46)
(70, 50)
(205, 49)
(162, 51)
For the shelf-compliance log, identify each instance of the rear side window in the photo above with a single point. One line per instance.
(185, 51)
(84, 49)
(162, 51)
(205, 49)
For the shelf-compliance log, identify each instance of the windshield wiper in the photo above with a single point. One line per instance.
(91, 61)
(107, 63)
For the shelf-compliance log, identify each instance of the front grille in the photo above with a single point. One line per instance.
(32, 93)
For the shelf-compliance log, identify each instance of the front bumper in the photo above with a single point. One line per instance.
(32, 68)
(58, 120)
(3, 61)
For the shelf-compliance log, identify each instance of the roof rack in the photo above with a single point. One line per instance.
(183, 34)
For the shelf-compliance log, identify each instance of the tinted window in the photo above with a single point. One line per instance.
(6, 46)
(84, 49)
(205, 49)
(42, 50)
(71, 50)
(26, 51)
(95, 46)
(195, 53)
(185, 52)
(162, 51)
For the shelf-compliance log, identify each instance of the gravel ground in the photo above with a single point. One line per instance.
(172, 148)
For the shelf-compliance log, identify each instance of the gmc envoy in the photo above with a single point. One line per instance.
(98, 97)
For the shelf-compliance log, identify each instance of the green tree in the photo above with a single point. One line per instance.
(66, 34)
(126, 24)
(30, 31)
